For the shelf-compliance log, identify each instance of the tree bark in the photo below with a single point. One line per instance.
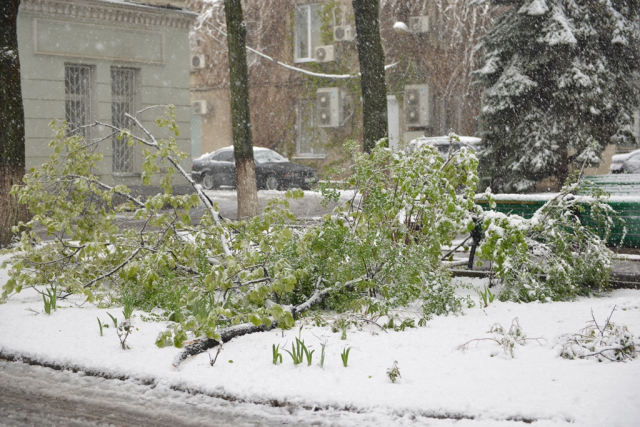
(240, 113)
(12, 145)
(371, 55)
(562, 171)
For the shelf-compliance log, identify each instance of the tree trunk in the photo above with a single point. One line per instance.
(371, 55)
(240, 115)
(563, 164)
(12, 149)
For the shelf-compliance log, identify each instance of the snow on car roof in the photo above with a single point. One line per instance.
(230, 147)
(625, 156)
(439, 140)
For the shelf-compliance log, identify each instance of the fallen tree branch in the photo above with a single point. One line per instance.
(203, 344)
(115, 270)
(152, 142)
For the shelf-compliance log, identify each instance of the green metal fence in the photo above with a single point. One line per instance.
(624, 199)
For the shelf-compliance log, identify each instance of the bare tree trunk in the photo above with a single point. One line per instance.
(12, 149)
(562, 171)
(240, 113)
(371, 55)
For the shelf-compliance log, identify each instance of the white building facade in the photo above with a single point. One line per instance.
(84, 61)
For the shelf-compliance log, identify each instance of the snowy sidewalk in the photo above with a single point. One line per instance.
(440, 384)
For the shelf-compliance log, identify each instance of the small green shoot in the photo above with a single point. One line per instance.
(101, 326)
(345, 356)
(115, 321)
(324, 346)
(394, 372)
(344, 331)
(275, 351)
(50, 299)
(128, 306)
(487, 296)
(297, 351)
(308, 354)
(123, 331)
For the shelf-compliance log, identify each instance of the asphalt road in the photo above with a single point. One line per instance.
(38, 396)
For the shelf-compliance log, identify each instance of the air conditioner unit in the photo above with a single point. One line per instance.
(419, 24)
(417, 105)
(324, 53)
(329, 107)
(199, 107)
(343, 33)
(197, 62)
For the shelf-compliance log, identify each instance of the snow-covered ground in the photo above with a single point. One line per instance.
(440, 384)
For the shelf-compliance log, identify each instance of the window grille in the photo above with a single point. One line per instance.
(309, 135)
(123, 100)
(307, 32)
(77, 91)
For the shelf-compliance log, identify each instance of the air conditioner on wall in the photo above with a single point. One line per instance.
(324, 53)
(197, 62)
(343, 33)
(199, 107)
(419, 24)
(417, 105)
(329, 106)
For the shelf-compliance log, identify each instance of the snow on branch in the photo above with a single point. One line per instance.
(201, 345)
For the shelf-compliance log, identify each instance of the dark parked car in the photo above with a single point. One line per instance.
(273, 171)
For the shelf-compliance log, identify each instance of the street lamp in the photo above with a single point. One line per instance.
(401, 28)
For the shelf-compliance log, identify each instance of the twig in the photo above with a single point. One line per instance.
(455, 249)
(596, 323)
(59, 259)
(205, 200)
(465, 345)
(213, 362)
(115, 270)
(608, 318)
(601, 353)
(364, 319)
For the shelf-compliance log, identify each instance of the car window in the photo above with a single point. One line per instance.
(268, 156)
(226, 156)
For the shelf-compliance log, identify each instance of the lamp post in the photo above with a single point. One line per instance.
(401, 28)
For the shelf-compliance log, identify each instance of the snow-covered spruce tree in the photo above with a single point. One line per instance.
(558, 75)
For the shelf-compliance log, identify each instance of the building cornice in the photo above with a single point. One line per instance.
(112, 11)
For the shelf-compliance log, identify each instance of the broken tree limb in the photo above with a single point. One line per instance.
(203, 198)
(203, 344)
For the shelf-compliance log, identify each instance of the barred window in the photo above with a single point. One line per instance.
(123, 100)
(78, 93)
